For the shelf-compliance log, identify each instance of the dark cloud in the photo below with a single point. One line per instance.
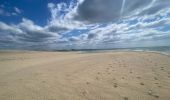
(97, 11)
(91, 36)
(62, 41)
(35, 36)
(57, 29)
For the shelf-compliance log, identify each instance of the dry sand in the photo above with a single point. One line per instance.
(84, 76)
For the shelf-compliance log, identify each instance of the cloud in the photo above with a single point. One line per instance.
(156, 6)
(99, 11)
(61, 16)
(9, 12)
(92, 24)
(17, 10)
(35, 33)
(25, 33)
(8, 34)
(91, 36)
(109, 10)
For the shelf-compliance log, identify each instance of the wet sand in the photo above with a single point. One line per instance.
(30, 75)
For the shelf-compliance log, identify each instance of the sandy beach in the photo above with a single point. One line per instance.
(28, 75)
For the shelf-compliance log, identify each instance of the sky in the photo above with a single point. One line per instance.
(83, 24)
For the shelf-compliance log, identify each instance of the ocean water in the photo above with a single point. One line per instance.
(159, 49)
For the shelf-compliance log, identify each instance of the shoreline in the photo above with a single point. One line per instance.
(98, 51)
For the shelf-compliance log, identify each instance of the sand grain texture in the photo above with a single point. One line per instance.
(84, 76)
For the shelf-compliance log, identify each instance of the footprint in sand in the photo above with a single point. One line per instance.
(138, 77)
(115, 85)
(150, 92)
(156, 96)
(156, 83)
(111, 66)
(155, 78)
(107, 68)
(159, 86)
(87, 83)
(97, 78)
(85, 92)
(142, 83)
(162, 68)
(125, 98)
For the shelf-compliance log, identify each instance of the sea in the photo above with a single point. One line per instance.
(157, 49)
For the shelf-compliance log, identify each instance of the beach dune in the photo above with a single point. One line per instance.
(30, 75)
